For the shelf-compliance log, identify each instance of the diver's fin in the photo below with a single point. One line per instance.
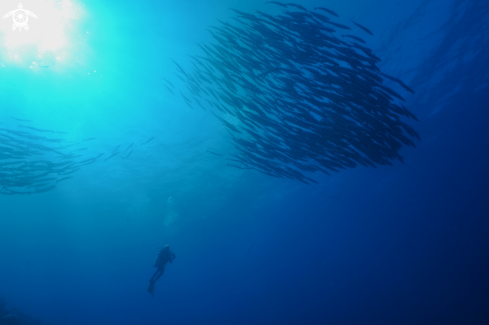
(151, 288)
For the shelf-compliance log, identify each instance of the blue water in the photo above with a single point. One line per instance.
(402, 244)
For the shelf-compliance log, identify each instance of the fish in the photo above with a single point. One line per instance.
(70, 171)
(169, 90)
(327, 10)
(355, 38)
(364, 28)
(168, 82)
(150, 139)
(35, 129)
(45, 189)
(116, 148)
(70, 156)
(217, 154)
(402, 84)
(112, 155)
(63, 179)
(296, 6)
(277, 3)
(243, 168)
(179, 67)
(130, 152)
(186, 99)
(20, 120)
(129, 147)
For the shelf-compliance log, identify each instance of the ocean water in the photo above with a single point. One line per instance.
(401, 244)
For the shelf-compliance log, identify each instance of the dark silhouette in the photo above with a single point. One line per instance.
(164, 256)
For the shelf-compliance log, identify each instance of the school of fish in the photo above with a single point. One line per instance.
(31, 162)
(298, 94)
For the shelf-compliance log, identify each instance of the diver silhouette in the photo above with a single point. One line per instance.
(164, 256)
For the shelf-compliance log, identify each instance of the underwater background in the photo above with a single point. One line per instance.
(402, 244)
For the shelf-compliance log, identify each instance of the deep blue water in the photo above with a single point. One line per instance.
(402, 244)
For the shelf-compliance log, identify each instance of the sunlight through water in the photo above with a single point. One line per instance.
(39, 34)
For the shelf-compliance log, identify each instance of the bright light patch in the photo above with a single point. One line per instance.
(49, 33)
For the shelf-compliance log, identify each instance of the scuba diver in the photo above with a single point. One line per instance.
(164, 256)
